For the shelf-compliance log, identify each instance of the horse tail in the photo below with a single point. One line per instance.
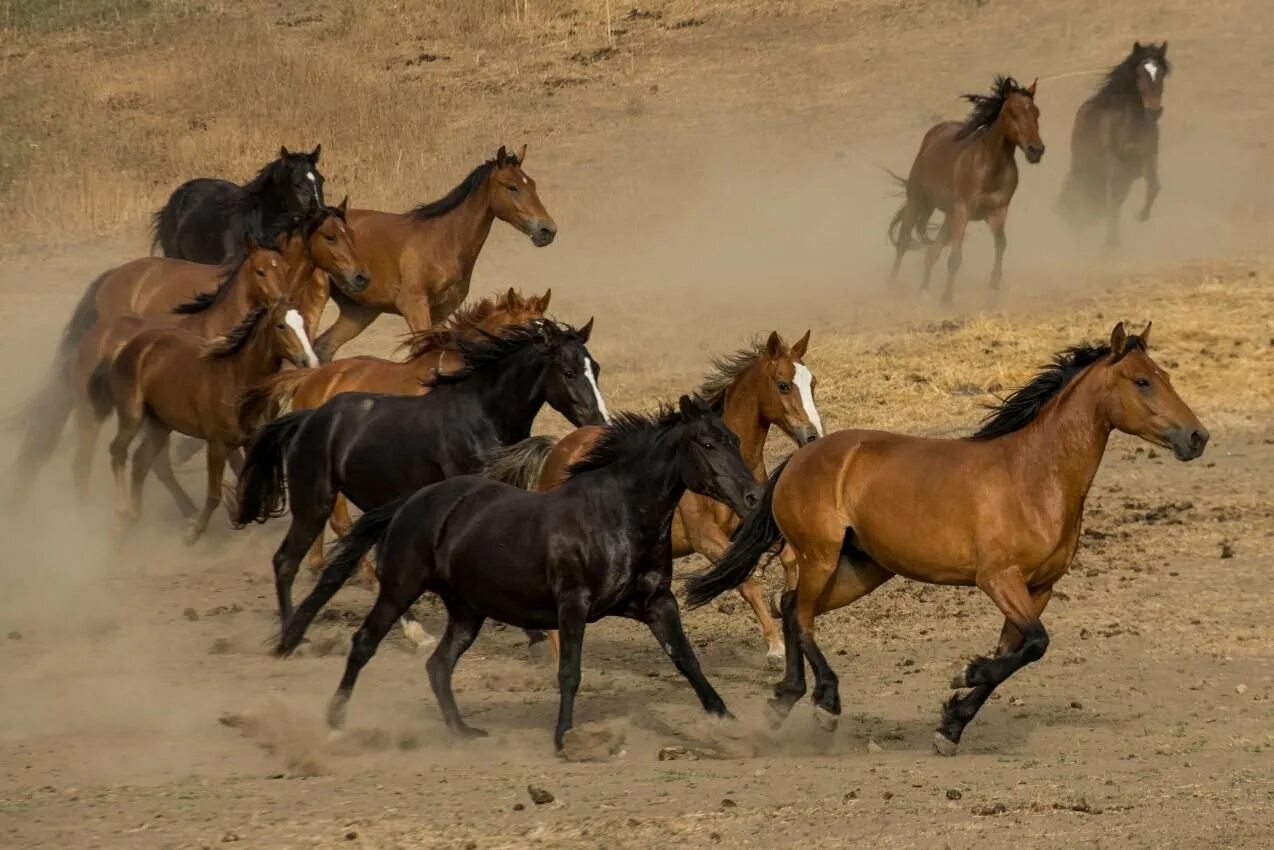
(367, 532)
(262, 485)
(100, 392)
(519, 464)
(922, 237)
(756, 536)
(266, 400)
(165, 221)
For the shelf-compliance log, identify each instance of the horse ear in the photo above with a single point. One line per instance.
(1145, 335)
(544, 299)
(283, 152)
(687, 408)
(500, 156)
(522, 155)
(510, 298)
(314, 154)
(1163, 50)
(1118, 339)
(1031, 88)
(343, 206)
(1136, 47)
(774, 345)
(797, 351)
(250, 243)
(586, 331)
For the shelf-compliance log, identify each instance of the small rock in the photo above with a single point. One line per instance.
(1076, 704)
(539, 796)
(727, 606)
(1227, 550)
(852, 795)
(351, 835)
(727, 803)
(990, 809)
(888, 795)
(228, 837)
(1016, 701)
(220, 646)
(15, 635)
(1240, 689)
(953, 794)
(517, 807)
(471, 845)
(684, 754)
(190, 614)
(873, 747)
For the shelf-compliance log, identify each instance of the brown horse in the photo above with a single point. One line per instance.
(422, 260)
(752, 390)
(1116, 141)
(968, 171)
(1000, 510)
(166, 379)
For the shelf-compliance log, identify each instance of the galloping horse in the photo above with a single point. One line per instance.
(1000, 510)
(1116, 140)
(166, 379)
(968, 171)
(595, 547)
(377, 448)
(422, 260)
(206, 220)
(752, 390)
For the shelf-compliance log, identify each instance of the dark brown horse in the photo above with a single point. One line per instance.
(1001, 510)
(1116, 141)
(422, 260)
(968, 171)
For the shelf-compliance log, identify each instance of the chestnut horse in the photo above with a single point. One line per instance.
(1116, 141)
(968, 171)
(1000, 510)
(166, 379)
(752, 390)
(422, 260)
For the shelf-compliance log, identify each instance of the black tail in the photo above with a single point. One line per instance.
(519, 464)
(754, 538)
(99, 390)
(365, 533)
(262, 486)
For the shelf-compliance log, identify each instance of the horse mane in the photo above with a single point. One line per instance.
(1121, 80)
(443, 337)
(456, 196)
(1023, 405)
(491, 349)
(627, 434)
(268, 174)
(726, 370)
(235, 338)
(986, 107)
(204, 300)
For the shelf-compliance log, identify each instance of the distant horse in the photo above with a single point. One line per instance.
(377, 448)
(206, 220)
(429, 351)
(1000, 510)
(422, 260)
(597, 546)
(1116, 141)
(760, 386)
(968, 171)
(166, 379)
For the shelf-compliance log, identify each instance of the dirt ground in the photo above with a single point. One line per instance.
(715, 174)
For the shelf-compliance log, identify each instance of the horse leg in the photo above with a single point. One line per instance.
(216, 471)
(1151, 174)
(1023, 641)
(87, 428)
(572, 613)
(959, 223)
(711, 541)
(129, 423)
(306, 528)
(463, 625)
(341, 523)
(1120, 186)
(154, 442)
(664, 621)
(164, 472)
(389, 606)
(352, 321)
(996, 220)
(415, 311)
(186, 448)
(934, 250)
(906, 227)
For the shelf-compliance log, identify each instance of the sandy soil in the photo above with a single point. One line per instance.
(712, 182)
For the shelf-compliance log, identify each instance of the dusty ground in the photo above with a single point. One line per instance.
(712, 180)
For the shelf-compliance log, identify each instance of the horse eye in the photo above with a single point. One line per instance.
(708, 446)
(511, 188)
(569, 373)
(330, 238)
(785, 387)
(1144, 383)
(260, 272)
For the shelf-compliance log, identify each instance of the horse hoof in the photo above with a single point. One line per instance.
(775, 713)
(944, 745)
(959, 682)
(191, 536)
(826, 719)
(416, 633)
(471, 732)
(776, 658)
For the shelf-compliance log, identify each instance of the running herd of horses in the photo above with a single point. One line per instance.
(218, 341)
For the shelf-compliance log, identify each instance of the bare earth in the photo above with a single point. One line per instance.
(714, 181)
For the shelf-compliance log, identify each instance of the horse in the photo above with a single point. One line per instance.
(597, 546)
(205, 219)
(1116, 140)
(422, 260)
(375, 448)
(1000, 510)
(167, 379)
(755, 388)
(968, 170)
(430, 350)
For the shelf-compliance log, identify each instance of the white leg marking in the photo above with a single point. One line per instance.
(805, 383)
(592, 382)
(293, 320)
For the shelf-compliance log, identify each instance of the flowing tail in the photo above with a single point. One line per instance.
(265, 401)
(262, 485)
(519, 464)
(754, 538)
(922, 234)
(366, 533)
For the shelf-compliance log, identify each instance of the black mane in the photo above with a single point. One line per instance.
(235, 338)
(1121, 81)
(633, 434)
(204, 300)
(492, 349)
(456, 196)
(986, 107)
(727, 370)
(1020, 407)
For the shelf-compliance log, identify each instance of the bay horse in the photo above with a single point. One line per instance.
(757, 388)
(1000, 510)
(205, 220)
(376, 448)
(597, 546)
(968, 170)
(422, 260)
(167, 379)
(1115, 141)
(429, 350)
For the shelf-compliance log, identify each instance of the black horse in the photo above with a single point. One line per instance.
(597, 546)
(1116, 140)
(205, 219)
(377, 448)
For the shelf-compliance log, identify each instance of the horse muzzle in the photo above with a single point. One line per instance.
(1153, 112)
(542, 233)
(1034, 153)
(1188, 443)
(805, 435)
(749, 498)
(355, 284)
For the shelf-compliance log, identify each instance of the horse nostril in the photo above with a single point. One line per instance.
(751, 499)
(1199, 439)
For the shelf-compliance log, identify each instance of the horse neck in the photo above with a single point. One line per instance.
(502, 394)
(464, 230)
(741, 413)
(231, 303)
(996, 139)
(650, 479)
(307, 283)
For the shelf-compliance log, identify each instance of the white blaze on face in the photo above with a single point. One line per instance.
(1152, 68)
(592, 382)
(805, 384)
(294, 321)
(309, 175)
